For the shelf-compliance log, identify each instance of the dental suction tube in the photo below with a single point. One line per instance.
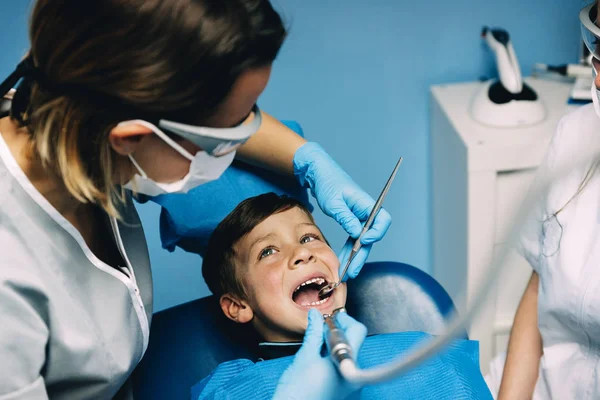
(347, 365)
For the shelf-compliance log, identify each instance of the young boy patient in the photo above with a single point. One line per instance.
(266, 261)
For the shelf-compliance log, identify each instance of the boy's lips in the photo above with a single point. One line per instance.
(305, 292)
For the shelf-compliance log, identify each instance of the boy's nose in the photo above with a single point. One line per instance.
(302, 255)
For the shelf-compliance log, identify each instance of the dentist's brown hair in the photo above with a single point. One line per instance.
(105, 61)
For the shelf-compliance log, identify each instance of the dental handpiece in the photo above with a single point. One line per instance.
(337, 344)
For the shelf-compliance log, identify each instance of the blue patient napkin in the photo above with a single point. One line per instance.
(452, 374)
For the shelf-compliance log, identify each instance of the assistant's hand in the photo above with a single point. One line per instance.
(312, 376)
(340, 198)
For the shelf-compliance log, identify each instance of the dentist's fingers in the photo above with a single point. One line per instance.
(313, 338)
(380, 226)
(358, 261)
(346, 217)
(355, 216)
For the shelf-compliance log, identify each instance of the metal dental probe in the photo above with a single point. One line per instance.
(325, 290)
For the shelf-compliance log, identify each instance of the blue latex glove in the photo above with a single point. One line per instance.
(312, 376)
(340, 198)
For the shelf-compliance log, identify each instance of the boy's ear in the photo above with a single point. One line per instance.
(235, 309)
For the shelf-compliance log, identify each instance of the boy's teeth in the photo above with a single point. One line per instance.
(308, 282)
(316, 303)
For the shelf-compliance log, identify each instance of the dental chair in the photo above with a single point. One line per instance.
(188, 341)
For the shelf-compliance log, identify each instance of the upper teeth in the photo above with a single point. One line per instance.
(318, 281)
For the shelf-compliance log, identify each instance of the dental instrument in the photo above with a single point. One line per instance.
(508, 66)
(336, 193)
(506, 102)
(336, 342)
(325, 290)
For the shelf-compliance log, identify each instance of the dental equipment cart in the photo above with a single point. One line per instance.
(480, 176)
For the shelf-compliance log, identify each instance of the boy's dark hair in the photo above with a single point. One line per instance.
(218, 267)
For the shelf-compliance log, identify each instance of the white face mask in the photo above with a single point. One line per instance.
(203, 169)
(595, 93)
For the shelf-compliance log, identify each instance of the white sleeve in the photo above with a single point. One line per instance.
(23, 335)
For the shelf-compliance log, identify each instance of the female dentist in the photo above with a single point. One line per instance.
(156, 96)
(554, 348)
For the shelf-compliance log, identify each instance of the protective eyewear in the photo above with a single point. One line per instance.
(215, 141)
(589, 31)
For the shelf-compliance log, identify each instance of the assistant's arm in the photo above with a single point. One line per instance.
(524, 348)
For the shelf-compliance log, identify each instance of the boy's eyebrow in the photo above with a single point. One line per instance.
(271, 235)
(307, 223)
(260, 239)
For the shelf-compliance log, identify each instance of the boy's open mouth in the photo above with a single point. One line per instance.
(307, 293)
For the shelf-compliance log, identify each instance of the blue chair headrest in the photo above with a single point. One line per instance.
(395, 297)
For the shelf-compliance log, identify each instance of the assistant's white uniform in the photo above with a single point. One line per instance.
(565, 251)
(71, 327)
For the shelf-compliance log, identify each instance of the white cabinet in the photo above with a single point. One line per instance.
(480, 176)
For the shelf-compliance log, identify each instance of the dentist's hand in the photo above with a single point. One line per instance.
(340, 198)
(313, 376)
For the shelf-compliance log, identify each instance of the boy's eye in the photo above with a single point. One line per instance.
(266, 252)
(308, 238)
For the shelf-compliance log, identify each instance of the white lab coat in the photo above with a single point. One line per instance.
(565, 252)
(71, 327)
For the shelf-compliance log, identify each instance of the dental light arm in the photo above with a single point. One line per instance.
(340, 351)
(506, 60)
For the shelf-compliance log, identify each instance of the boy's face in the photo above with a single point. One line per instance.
(283, 262)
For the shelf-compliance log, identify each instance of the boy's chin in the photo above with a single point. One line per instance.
(290, 331)
(295, 334)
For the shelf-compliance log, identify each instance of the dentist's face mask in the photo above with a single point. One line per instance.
(218, 150)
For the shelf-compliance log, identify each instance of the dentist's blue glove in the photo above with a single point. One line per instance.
(340, 198)
(312, 376)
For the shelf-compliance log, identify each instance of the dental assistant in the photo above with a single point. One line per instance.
(554, 348)
(122, 96)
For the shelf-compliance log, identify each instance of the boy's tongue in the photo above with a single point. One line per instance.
(307, 294)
